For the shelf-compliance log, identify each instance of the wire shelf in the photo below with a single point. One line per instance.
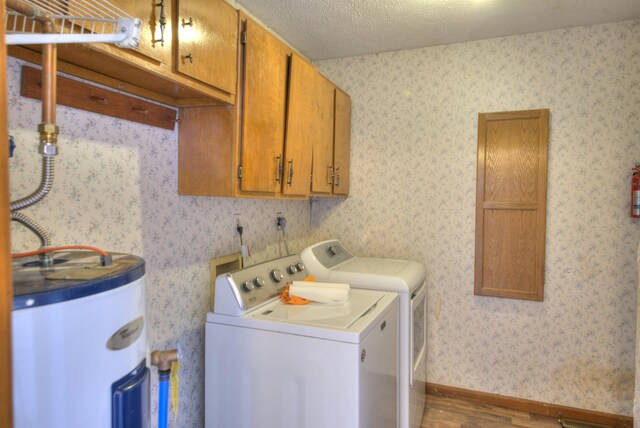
(73, 21)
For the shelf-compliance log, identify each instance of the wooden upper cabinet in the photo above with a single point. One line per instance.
(265, 145)
(322, 164)
(263, 108)
(194, 64)
(511, 204)
(331, 148)
(341, 143)
(207, 39)
(155, 41)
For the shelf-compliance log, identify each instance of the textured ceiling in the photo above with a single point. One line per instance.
(323, 29)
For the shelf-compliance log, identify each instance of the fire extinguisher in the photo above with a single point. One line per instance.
(635, 192)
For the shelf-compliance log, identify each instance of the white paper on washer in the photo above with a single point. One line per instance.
(324, 292)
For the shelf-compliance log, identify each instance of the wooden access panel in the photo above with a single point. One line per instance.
(511, 204)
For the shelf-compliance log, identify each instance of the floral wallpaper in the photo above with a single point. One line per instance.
(413, 182)
(413, 166)
(115, 187)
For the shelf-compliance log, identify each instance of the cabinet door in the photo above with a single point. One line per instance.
(322, 163)
(155, 42)
(302, 115)
(263, 110)
(341, 143)
(208, 42)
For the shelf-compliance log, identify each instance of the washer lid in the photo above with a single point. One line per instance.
(373, 266)
(321, 314)
(348, 323)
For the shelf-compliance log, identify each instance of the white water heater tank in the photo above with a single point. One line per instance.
(79, 343)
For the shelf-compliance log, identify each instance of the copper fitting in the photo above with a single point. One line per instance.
(48, 139)
(163, 359)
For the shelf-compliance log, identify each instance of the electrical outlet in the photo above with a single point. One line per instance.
(281, 222)
(237, 222)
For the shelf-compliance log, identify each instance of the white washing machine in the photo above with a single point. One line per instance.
(273, 365)
(330, 261)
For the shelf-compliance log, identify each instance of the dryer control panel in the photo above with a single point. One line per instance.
(331, 253)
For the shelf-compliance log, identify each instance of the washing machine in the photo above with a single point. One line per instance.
(274, 365)
(79, 342)
(330, 261)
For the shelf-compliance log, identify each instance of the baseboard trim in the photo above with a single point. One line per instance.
(530, 406)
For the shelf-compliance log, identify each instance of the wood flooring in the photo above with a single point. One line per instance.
(444, 412)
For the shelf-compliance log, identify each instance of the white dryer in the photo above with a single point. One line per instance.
(273, 365)
(330, 261)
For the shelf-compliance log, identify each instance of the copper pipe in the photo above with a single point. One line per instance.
(47, 128)
(34, 13)
(49, 58)
(22, 8)
(49, 69)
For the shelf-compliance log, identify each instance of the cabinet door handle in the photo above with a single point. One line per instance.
(189, 57)
(163, 22)
(330, 174)
(278, 169)
(337, 181)
(290, 179)
(187, 23)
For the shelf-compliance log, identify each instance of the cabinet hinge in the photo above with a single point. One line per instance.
(239, 171)
(243, 37)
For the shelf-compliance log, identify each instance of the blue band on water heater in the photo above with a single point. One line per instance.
(130, 399)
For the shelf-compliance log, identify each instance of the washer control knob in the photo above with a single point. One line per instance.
(300, 267)
(276, 275)
(292, 269)
(259, 282)
(332, 250)
(248, 286)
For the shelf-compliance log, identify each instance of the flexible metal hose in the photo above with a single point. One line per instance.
(34, 226)
(45, 185)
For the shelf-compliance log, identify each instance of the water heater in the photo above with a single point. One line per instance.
(79, 343)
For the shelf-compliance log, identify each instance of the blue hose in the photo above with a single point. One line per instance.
(163, 401)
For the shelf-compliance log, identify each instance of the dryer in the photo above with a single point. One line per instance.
(330, 261)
